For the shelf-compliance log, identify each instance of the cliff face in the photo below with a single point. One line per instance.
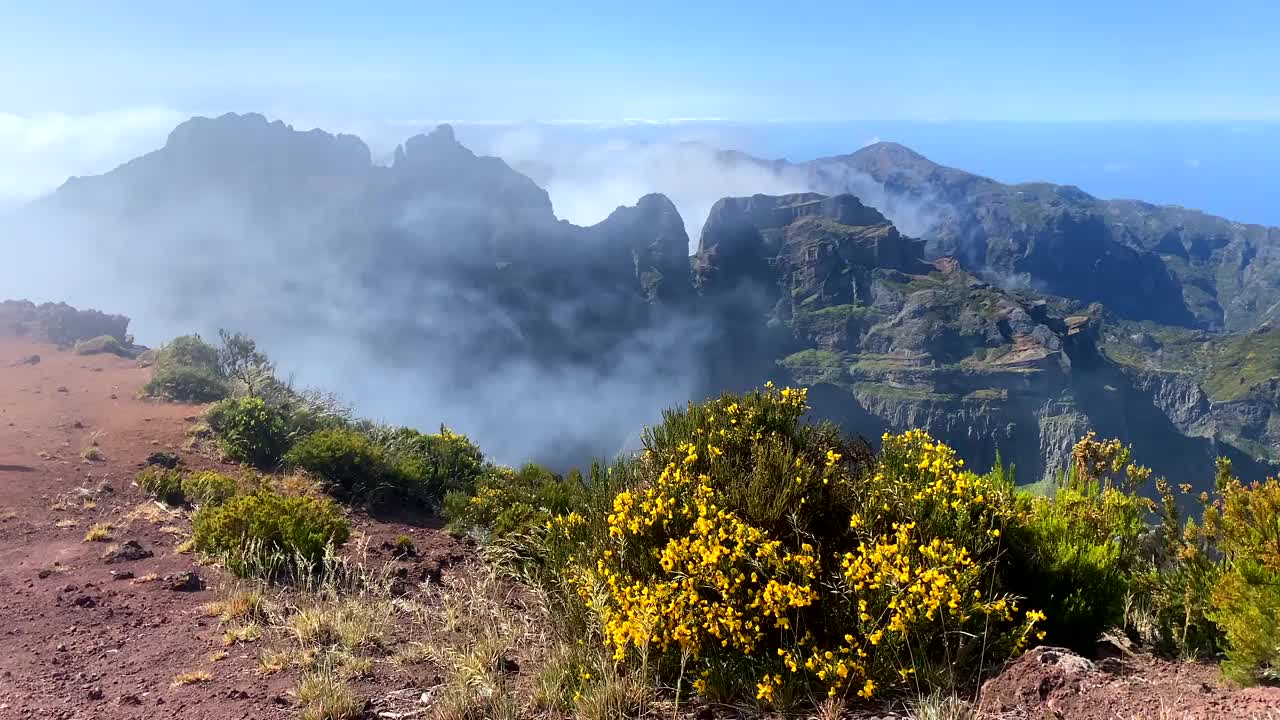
(887, 340)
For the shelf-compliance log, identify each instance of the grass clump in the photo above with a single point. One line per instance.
(162, 484)
(324, 695)
(262, 531)
(206, 487)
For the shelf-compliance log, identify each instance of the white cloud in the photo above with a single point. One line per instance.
(588, 179)
(39, 152)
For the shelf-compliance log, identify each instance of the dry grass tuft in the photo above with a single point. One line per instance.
(325, 696)
(241, 634)
(273, 660)
(239, 605)
(101, 532)
(192, 677)
(150, 512)
(943, 707)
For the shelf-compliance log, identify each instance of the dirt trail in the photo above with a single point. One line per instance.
(76, 640)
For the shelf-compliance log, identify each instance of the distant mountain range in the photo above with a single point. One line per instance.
(1005, 319)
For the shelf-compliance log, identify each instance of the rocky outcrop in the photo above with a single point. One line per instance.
(59, 323)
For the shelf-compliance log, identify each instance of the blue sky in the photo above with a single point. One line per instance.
(1171, 102)
(501, 61)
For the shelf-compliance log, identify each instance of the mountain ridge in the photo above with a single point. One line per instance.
(1020, 317)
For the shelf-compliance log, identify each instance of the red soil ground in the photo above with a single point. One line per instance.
(77, 642)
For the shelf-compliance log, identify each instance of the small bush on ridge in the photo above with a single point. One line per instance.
(188, 351)
(430, 466)
(248, 430)
(185, 384)
(352, 465)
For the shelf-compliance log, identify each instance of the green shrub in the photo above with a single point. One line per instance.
(349, 462)
(206, 487)
(250, 431)
(427, 467)
(268, 530)
(162, 484)
(99, 345)
(185, 384)
(189, 351)
(1246, 599)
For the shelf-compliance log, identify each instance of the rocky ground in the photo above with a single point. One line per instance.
(101, 629)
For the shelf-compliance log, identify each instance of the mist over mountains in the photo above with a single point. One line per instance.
(443, 287)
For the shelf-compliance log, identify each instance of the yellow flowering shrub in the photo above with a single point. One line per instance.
(765, 551)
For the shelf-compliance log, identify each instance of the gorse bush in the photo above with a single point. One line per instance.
(266, 529)
(250, 431)
(1176, 586)
(757, 549)
(1076, 554)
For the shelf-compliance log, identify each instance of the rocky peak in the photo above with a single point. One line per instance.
(731, 217)
(437, 163)
(438, 147)
(251, 138)
(652, 234)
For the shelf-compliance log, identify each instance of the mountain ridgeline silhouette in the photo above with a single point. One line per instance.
(1005, 319)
